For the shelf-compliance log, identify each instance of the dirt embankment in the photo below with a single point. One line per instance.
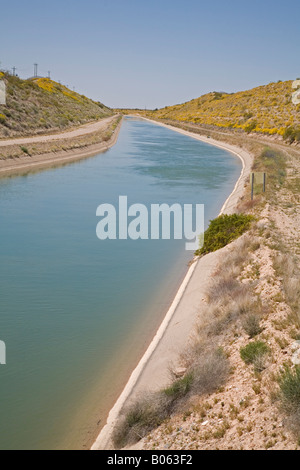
(251, 304)
(32, 153)
(249, 411)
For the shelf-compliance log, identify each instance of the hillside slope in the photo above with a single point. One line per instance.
(248, 326)
(41, 105)
(267, 109)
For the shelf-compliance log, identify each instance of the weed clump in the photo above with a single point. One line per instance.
(289, 395)
(251, 325)
(145, 414)
(273, 163)
(255, 353)
(292, 134)
(25, 150)
(223, 230)
(206, 375)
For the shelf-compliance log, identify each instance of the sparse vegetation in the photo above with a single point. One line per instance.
(286, 266)
(292, 134)
(206, 375)
(289, 395)
(3, 119)
(255, 353)
(140, 418)
(38, 148)
(251, 325)
(273, 163)
(267, 110)
(210, 371)
(255, 293)
(180, 387)
(25, 150)
(41, 105)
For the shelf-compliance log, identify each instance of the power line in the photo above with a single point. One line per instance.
(13, 70)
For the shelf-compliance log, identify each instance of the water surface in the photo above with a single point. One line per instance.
(76, 313)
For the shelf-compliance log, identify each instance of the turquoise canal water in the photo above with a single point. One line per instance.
(76, 313)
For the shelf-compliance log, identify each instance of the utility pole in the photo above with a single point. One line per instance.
(257, 178)
(252, 186)
(35, 70)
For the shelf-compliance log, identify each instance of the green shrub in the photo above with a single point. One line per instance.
(25, 150)
(289, 395)
(150, 411)
(250, 127)
(223, 230)
(248, 116)
(251, 325)
(180, 387)
(207, 374)
(289, 383)
(255, 353)
(107, 136)
(292, 134)
(210, 372)
(273, 163)
(218, 96)
(139, 419)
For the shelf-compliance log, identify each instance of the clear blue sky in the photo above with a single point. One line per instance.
(137, 53)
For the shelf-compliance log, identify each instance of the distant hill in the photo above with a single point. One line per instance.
(267, 109)
(40, 105)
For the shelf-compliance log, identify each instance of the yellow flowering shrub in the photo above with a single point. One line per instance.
(266, 109)
(72, 95)
(41, 104)
(46, 84)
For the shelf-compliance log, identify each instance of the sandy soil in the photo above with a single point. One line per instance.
(68, 134)
(30, 163)
(153, 371)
